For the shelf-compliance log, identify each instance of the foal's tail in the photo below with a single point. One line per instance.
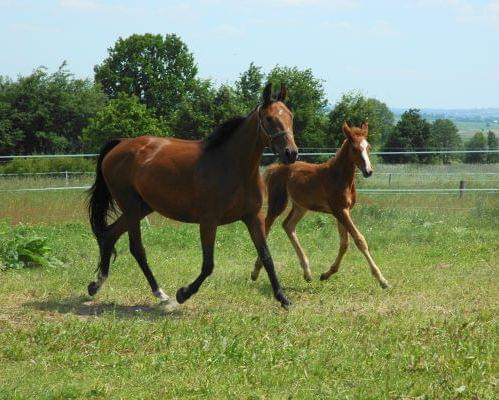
(100, 201)
(276, 178)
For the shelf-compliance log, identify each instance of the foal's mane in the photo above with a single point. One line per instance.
(222, 133)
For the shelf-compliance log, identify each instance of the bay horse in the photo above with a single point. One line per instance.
(209, 182)
(329, 188)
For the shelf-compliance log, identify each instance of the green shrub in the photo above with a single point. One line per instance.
(61, 164)
(20, 247)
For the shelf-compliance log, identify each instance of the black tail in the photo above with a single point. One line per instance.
(100, 202)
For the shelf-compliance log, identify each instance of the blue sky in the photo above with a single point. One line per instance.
(421, 53)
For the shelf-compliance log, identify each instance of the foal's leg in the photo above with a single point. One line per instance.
(341, 252)
(289, 225)
(208, 232)
(344, 217)
(257, 233)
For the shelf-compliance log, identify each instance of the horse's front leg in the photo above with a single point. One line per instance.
(256, 229)
(208, 232)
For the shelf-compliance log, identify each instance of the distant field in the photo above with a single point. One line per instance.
(468, 129)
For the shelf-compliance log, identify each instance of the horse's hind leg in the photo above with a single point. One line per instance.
(341, 252)
(137, 250)
(106, 248)
(289, 225)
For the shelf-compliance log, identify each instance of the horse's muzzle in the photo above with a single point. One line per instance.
(290, 156)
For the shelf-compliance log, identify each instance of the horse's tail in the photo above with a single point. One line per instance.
(100, 201)
(276, 178)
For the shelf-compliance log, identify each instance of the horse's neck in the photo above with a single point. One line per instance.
(341, 167)
(245, 147)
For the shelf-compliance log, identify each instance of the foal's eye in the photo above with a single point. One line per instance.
(268, 119)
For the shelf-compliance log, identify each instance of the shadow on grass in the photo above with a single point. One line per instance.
(82, 306)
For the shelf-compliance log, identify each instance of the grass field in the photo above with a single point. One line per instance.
(433, 335)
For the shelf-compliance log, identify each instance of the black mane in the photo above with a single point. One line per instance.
(222, 133)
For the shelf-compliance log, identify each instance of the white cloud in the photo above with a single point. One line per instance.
(80, 4)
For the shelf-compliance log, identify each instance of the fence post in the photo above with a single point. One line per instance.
(461, 187)
(66, 174)
(389, 179)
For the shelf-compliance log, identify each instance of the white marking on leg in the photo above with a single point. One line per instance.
(163, 298)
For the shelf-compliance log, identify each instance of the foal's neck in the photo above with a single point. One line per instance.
(342, 167)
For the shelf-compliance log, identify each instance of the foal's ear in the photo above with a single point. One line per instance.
(283, 94)
(365, 128)
(267, 94)
(347, 131)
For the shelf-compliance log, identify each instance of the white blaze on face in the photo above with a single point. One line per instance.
(363, 147)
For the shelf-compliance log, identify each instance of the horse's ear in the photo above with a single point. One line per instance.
(347, 131)
(283, 94)
(267, 94)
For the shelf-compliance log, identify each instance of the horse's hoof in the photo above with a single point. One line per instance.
(92, 288)
(285, 303)
(324, 277)
(254, 276)
(384, 285)
(308, 278)
(182, 295)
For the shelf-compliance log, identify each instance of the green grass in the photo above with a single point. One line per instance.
(431, 336)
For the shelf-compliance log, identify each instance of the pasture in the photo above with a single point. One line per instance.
(433, 335)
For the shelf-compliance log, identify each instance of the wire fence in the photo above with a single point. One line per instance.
(384, 182)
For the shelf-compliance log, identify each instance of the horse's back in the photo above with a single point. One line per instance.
(159, 170)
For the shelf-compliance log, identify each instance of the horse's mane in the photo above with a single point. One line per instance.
(222, 133)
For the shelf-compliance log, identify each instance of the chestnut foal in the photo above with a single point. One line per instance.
(329, 188)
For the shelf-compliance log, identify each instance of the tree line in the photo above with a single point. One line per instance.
(149, 84)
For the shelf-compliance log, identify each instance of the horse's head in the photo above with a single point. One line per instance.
(275, 122)
(359, 147)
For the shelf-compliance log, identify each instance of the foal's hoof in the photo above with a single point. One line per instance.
(308, 278)
(254, 276)
(324, 277)
(182, 295)
(92, 288)
(384, 285)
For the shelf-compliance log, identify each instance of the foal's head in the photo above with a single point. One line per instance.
(359, 147)
(275, 123)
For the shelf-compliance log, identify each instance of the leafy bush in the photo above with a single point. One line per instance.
(24, 165)
(20, 248)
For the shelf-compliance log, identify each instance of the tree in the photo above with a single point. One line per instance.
(45, 113)
(355, 109)
(160, 71)
(477, 142)
(493, 145)
(308, 103)
(444, 136)
(411, 133)
(249, 87)
(124, 116)
(194, 116)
